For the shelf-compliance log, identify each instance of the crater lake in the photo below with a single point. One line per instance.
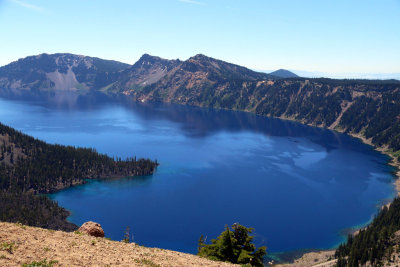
(300, 187)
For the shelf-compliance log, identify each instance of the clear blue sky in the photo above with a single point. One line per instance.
(326, 35)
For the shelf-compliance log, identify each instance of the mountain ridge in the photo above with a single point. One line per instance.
(207, 82)
(65, 71)
(61, 71)
(147, 70)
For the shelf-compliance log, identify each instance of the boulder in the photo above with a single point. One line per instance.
(92, 228)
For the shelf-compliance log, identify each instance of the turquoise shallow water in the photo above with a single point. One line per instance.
(298, 186)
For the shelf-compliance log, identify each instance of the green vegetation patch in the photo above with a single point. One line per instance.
(7, 246)
(43, 263)
(233, 245)
(375, 243)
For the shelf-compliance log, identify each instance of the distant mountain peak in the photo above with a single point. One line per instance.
(147, 70)
(200, 56)
(147, 57)
(282, 73)
(149, 60)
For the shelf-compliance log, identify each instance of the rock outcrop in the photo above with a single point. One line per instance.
(92, 229)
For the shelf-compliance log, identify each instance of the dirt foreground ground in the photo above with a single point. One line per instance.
(23, 245)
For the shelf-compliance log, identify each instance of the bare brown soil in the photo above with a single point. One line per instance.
(29, 244)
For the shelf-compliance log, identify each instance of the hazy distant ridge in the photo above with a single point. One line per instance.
(284, 74)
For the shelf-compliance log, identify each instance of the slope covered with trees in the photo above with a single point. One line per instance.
(375, 244)
(29, 166)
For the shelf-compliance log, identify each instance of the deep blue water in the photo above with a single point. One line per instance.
(298, 186)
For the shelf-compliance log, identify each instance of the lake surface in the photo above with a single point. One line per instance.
(298, 186)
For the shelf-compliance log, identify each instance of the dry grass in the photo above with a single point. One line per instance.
(31, 244)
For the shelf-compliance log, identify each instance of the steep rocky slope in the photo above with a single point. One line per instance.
(147, 70)
(58, 72)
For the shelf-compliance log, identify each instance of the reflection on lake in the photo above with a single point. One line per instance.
(298, 186)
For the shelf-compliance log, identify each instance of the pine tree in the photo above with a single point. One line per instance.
(234, 246)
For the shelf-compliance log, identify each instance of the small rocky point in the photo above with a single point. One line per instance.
(92, 229)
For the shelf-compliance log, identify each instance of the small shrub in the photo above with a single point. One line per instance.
(127, 235)
(9, 247)
(21, 225)
(78, 233)
(93, 242)
(43, 263)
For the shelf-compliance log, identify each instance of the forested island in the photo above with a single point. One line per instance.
(30, 167)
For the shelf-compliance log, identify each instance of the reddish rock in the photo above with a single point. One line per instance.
(92, 228)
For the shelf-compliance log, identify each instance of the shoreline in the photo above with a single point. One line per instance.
(384, 150)
(392, 162)
(328, 253)
(323, 258)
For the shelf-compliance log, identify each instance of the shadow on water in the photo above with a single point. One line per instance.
(195, 122)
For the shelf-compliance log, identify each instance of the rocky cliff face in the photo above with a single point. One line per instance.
(368, 108)
(146, 71)
(195, 78)
(58, 72)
